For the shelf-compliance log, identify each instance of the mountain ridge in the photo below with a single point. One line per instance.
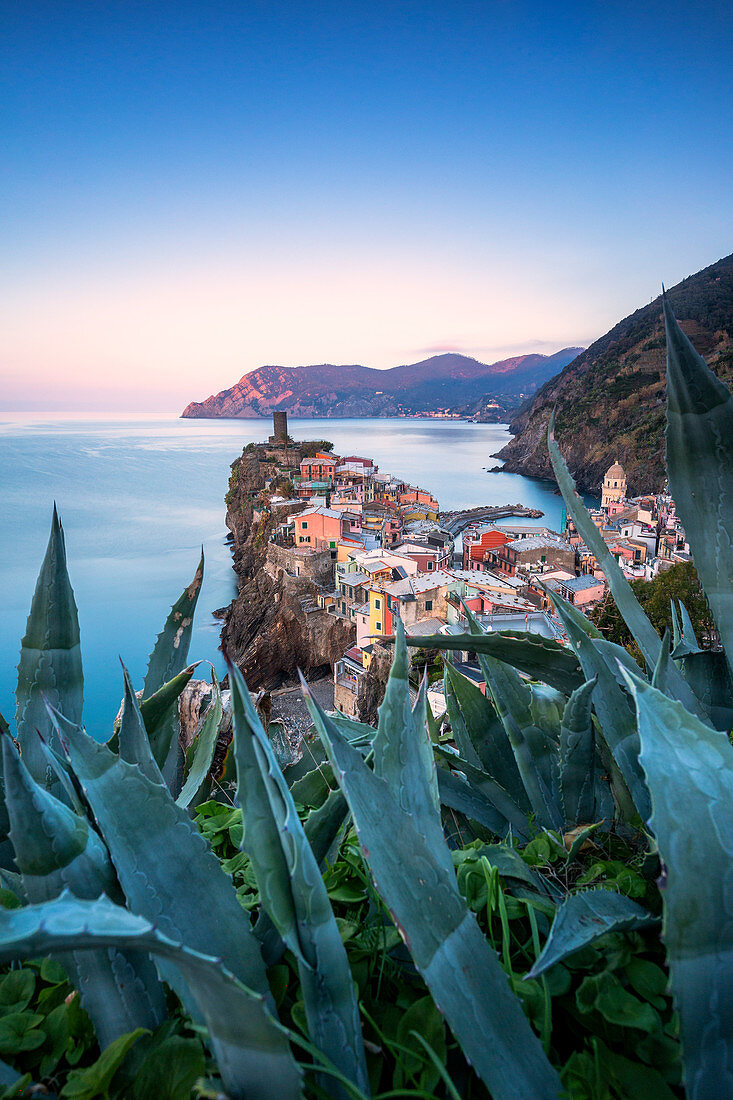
(609, 400)
(324, 390)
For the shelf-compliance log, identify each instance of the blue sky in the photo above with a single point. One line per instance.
(192, 190)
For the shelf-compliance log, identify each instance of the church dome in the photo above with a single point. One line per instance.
(616, 471)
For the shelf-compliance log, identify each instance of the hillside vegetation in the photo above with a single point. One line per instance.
(610, 399)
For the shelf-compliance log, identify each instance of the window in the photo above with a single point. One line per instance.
(431, 565)
(304, 525)
(378, 604)
(428, 605)
(543, 558)
(379, 626)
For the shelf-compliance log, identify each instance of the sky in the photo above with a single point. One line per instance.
(193, 190)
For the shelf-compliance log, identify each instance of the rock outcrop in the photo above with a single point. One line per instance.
(273, 627)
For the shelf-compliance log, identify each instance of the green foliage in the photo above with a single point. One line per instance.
(657, 597)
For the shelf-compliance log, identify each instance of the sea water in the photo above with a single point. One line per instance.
(139, 495)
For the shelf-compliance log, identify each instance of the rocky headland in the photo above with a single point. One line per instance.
(274, 626)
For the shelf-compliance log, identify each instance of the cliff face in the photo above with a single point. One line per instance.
(270, 630)
(610, 400)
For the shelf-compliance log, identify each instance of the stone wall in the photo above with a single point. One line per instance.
(315, 565)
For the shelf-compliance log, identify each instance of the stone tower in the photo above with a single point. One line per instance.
(280, 425)
(614, 485)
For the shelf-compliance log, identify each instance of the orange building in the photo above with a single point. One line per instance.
(317, 526)
(321, 467)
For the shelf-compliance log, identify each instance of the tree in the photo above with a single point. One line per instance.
(655, 596)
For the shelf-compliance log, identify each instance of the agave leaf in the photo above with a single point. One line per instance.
(709, 677)
(464, 798)
(578, 757)
(584, 918)
(688, 630)
(155, 709)
(167, 660)
(540, 658)
(699, 452)
(689, 768)
(446, 944)
(613, 707)
(460, 716)
(250, 1047)
(324, 826)
(56, 849)
(50, 656)
(293, 892)
(480, 735)
(204, 747)
(403, 754)
(153, 842)
(490, 804)
(631, 610)
(133, 744)
(64, 790)
(534, 751)
(661, 669)
(676, 629)
(170, 652)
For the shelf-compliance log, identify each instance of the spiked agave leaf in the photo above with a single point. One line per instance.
(534, 751)
(447, 946)
(170, 652)
(689, 766)
(167, 660)
(403, 755)
(612, 705)
(293, 893)
(578, 757)
(55, 850)
(153, 843)
(634, 616)
(708, 675)
(699, 467)
(50, 656)
(251, 1048)
(480, 797)
(584, 918)
(540, 658)
(132, 743)
(205, 746)
(480, 735)
(631, 610)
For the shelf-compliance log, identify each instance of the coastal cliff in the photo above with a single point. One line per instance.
(274, 626)
(610, 400)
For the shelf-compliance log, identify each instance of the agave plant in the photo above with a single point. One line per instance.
(664, 729)
(120, 885)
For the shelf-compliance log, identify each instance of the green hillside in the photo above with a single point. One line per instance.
(610, 399)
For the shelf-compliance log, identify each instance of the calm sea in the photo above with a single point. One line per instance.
(139, 495)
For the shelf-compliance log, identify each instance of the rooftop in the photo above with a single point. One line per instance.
(423, 582)
(424, 627)
(538, 542)
(582, 583)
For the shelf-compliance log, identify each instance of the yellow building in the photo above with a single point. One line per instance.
(614, 485)
(378, 613)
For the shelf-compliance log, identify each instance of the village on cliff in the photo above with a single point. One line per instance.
(370, 549)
